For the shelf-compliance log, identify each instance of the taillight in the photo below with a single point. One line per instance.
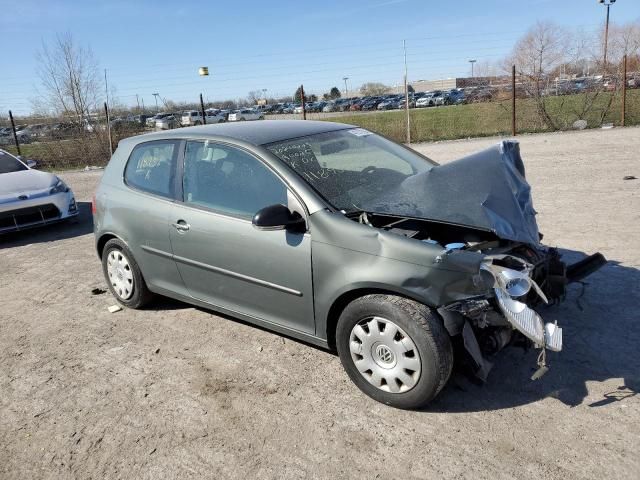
(93, 205)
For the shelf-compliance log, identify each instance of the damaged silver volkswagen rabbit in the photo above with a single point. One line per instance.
(336, 236)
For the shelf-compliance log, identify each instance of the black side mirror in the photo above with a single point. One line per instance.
(278, 217)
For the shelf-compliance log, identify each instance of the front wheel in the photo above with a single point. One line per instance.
(395, 350)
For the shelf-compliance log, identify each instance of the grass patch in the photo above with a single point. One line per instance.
(494, 118)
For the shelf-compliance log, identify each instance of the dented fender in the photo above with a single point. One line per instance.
(383, 260)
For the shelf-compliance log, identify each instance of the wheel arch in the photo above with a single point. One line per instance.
(103, 239)
(345, 298)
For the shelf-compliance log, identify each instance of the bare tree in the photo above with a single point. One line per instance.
(536, 55)
(485, 68)
(624, 40)
(373, 88)
(69, 77)
(254, 95)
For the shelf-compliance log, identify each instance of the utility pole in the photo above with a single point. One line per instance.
(606, 3)
(513, 100)
(156, 95)
(15, 136)
(204, 115)
(138, 102)
(624, 88)
(106, 86)
(472, 61)
(406, 92)
(304, 110)
(346, 91)
(106, 113)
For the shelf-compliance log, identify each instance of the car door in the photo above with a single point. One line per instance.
(140, 211)
(222, 258)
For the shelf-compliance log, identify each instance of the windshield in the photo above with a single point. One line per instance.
(350, 168)
(9, 164)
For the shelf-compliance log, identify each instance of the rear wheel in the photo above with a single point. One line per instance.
(394, 349)
(123, 275)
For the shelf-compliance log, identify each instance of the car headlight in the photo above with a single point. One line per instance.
(59, 187)
(515, 283)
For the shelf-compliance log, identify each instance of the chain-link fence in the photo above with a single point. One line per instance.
(488, 106)
(65, 142)
(456, 108)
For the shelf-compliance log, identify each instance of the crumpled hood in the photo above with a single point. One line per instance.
(29, 182)
(486, 190)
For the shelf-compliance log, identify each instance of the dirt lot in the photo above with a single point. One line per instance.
(179, 392)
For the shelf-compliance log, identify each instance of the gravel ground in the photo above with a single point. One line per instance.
(179, 392)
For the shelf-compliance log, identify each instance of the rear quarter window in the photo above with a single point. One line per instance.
(151, 167)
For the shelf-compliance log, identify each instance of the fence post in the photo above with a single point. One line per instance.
(513, 100)
(624, 88)
(204, 117)
(15, 136)
(106, 112)
(406, 95)
(304, 109)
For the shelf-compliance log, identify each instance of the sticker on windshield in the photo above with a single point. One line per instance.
(359, 132)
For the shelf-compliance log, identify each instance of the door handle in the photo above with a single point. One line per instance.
(181, 227)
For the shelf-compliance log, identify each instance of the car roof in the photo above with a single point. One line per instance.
(258, 132)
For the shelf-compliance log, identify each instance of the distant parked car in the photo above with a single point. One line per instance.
(194, 117)
(485, 94)
(412, 102)
(245, 114)
(166, 121)
(191, 117)
(454, 97)
(24, 134)
(6, 136)
(371, 104)
(387, 104)
(330, 107)
(426, 101)
(151, 121)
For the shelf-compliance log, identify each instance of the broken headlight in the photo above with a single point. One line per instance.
(509, 286)
(516, 284)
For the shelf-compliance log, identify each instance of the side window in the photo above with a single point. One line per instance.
(229, 180)
(151, 167)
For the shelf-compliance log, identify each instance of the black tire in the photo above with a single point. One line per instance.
(425, 329)
(141, 295)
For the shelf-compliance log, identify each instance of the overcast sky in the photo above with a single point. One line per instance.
(157, 46)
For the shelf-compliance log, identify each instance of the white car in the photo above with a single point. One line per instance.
(426, 101)
(166, 121)
(194, 117)
(245, 114)
(31, 198)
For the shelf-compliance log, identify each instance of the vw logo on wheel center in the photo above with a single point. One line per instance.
(384, 354)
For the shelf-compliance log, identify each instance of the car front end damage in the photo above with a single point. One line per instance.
(487, 289)
(516, 284)
(482, 204)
